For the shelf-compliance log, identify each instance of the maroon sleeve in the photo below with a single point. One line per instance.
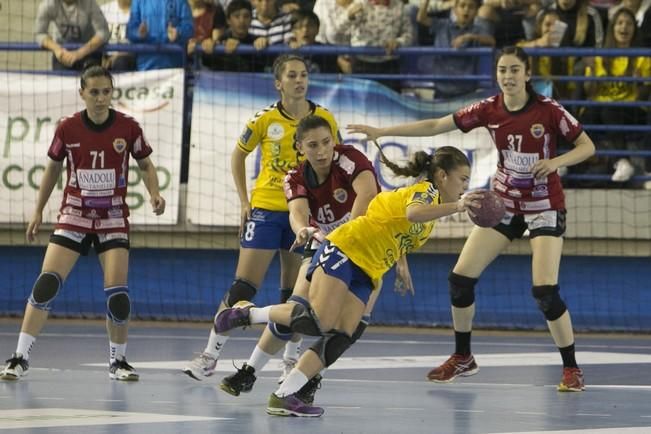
(140, 147)
(472, 116)
(567, 125)
(294, 185)
(57, 150)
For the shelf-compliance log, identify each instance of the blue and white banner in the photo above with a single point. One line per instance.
(31, 105)
(223, 103)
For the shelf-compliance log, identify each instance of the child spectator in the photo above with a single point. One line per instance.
(117, 16)
(461, 32)
(305, 27)
(238, 18)
(75, 21)
(209, 25)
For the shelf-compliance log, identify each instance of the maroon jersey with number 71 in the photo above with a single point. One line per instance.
(97, 170)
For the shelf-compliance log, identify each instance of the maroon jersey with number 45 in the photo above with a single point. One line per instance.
(97, 170)
(522, 138)
(332, 201)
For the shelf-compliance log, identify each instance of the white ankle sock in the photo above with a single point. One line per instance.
(215, 344)
(292, 384)
(259, 315)
(258, 359)
(25, 344)
(292, 350)
(117, 351)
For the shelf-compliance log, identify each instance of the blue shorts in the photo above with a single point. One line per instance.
(336, 264)
(268, 230)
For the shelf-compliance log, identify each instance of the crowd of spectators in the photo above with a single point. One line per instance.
(389, 24)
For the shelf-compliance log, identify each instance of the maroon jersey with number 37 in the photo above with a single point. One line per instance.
(522, 138)
(332, 201)
(97, 170)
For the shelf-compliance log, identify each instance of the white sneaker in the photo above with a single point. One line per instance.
(201, 366)
(16, 367)
(122, 371)
(286, 365)
(623, 170)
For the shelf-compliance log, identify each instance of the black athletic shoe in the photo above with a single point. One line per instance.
(241, 381)
(306, 393)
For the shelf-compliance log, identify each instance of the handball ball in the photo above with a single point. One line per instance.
(491, 212)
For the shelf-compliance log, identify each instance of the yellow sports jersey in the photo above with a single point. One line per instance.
(619, 90)
(273, 130)
(376, 240)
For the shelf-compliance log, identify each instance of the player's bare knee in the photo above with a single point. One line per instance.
(331, 346)
(118, 304)
(240, 290)
(549, 301)
(45, 290)
(462, 290)
(304, 321)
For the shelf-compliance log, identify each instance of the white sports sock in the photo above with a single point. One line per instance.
(215, 344)
(292, 384)
(259, 315)
(292, 350)
(25, 344)
(258, 359)
(117, 351)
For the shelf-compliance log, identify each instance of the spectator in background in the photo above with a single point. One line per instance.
(379, 23)
(117, 17)
(75, 21)
(238, 17)
(209, 26)
(622, 33)
(548, 33)
(305, 27)
(461, 32)
(334, 28)
(270, 25)
(160, 22)
(642, 11)
(511, 20)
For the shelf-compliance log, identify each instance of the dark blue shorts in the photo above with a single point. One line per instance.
(269, 230)
(336, 264)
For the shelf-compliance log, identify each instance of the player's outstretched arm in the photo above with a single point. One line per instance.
(150, 178)
(50, 177)
(424, 128)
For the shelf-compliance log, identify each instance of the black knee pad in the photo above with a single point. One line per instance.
(549, 301)
(304, 321)
(45, 289)
(240, 290)
(282, 331)
(118, 304)
(331, 346)
(285, 293)
(361, 327)
(462, 290)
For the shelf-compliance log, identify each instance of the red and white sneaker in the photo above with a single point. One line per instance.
(456, 366)
(572, 380)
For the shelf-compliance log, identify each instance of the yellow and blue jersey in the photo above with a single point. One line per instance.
(273, 130)
(376, 240)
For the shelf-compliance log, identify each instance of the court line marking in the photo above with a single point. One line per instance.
(66, 417)
(362, 340)
(406, 362)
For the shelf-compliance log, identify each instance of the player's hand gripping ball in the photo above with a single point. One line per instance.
(491, 212)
